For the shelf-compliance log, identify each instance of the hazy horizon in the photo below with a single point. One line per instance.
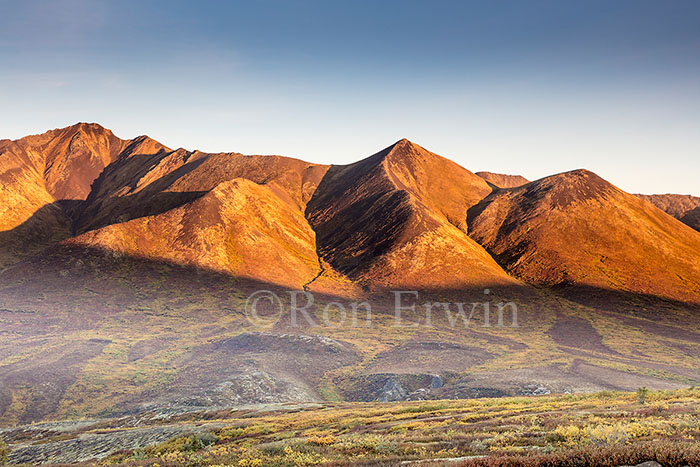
(521, 88)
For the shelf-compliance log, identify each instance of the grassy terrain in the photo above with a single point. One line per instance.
(112, 346)
(606, 428)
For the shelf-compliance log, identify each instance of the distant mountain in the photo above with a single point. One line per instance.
(685, 208)
(503, 181)
(576, 228)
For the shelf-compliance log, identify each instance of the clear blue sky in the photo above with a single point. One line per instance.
(526, 87)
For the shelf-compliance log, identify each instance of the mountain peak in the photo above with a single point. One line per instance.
(580, 173)
(91, 125)
(373, 219)
(72, 157)
(85, 127)
(404, 146)
(145, 145)
(404, 142)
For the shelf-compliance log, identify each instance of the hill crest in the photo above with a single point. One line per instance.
(575, 228)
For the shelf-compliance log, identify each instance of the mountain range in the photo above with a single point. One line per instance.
(121, 258)
(403, 217)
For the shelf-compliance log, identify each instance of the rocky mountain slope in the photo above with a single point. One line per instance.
(241, 215)
(239, 227)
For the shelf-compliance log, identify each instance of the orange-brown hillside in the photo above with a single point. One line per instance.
(398, 218)
(502, 180)
(685, 208)
(42, 177)
(145, 185)
(239, 228)
(166, 206)
(576, 228)
(235, 214)
(242, 215)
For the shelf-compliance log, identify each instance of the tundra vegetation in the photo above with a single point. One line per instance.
(602, 429)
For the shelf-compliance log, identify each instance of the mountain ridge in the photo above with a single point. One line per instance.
(403, 216)
(49, 173)
(392, 211)
(502, 180)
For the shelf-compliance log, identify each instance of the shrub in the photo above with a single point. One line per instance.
(642, 395)
(607, 435)
(423, 408)
(599, 435)
(369, 443)
(4, 452)
(671, 454)
(479, 445)
(181, 444)
(230, 432)
(322, 440)
(301, 458)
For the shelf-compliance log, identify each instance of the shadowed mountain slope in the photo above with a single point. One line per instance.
(685, 208)
(398, 218)
(502, 180)
(576, 228)
(692, 218)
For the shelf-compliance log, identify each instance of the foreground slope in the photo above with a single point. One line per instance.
(398, 218)
(604, 429)
(576, 228)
